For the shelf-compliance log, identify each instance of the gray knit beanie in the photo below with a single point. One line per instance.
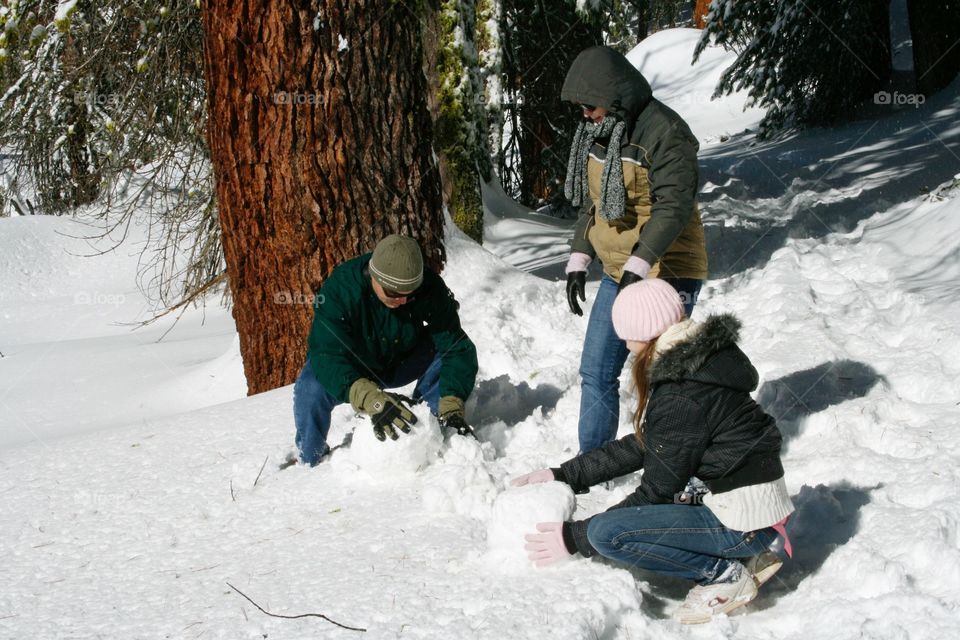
(397, 263)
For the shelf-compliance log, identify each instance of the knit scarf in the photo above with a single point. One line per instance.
(612, 191)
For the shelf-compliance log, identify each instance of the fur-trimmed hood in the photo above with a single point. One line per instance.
(708, 354)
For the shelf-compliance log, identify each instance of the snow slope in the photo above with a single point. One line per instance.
(139, 530)
(66, 334)
(665, 59)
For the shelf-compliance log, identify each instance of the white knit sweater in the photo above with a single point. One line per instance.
(753, 507)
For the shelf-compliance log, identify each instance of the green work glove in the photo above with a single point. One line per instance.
(386, 410)
(450, 415)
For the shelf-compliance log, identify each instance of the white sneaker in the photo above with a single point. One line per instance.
(705, 601)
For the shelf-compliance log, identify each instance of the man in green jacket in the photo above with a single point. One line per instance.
(633, 172)
(382, 321)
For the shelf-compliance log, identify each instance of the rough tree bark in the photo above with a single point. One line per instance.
(700, 9)
(320, 141)
(456, 104)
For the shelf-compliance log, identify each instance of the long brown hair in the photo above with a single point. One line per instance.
(641, 381)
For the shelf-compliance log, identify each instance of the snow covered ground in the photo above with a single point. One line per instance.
(128, 512)
(72, 361)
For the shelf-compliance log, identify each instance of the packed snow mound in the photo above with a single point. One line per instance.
(408, 454)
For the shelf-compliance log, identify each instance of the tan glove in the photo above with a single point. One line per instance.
(448, 406)
(386, 410)
(450, 415)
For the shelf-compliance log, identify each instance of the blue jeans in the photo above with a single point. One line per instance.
(312, 404)
(682, 541)
(602, 361)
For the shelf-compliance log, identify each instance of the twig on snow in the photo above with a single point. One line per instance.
(261, 471)
(302, 615)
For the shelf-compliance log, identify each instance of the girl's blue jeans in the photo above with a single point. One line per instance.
(682, 541)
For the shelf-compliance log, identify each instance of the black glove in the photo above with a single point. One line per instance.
(627, 279)
(393, 414)
(456, 421)
(576, 281)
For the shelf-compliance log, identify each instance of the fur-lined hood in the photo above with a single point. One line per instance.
(708, 354)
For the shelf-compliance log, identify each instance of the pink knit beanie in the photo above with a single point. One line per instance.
(645, 309)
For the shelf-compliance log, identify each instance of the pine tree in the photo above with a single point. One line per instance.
(810, 62)
(321, 142)
(628, 22)
(540, 40)
(104, 101)
(458, 107)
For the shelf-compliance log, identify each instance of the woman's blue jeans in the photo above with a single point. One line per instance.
(682, 541)
(604, 354)
(312, 404)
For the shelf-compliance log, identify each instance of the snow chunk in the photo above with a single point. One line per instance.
(462, 484)
(64, 10)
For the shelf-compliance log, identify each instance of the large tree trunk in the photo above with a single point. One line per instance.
(320, 140)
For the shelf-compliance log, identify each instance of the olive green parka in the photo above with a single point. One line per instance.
(661, 223)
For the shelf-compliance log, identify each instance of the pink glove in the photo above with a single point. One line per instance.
(534, 477)
(546, 547)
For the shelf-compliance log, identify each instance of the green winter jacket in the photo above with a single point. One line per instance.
(661, 223)
(354, 335)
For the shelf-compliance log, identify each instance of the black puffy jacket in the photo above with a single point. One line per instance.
(700, 421)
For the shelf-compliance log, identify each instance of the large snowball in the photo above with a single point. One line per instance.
(389, 459)
(517, 511)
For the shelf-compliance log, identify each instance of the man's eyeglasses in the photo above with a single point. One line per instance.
(588, 107)
(395, 295)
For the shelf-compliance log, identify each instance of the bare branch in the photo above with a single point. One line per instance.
(302, 615)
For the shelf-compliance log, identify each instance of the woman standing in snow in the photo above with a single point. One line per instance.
(695, 418)
(633, 172)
